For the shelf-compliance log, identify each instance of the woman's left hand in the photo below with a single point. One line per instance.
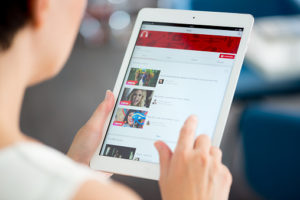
(89, 136)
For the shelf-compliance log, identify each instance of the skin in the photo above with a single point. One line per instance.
(129, 119)
(137, 97)
(137, 74)
(38, 52)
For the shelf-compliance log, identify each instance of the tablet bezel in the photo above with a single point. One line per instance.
(151, 170)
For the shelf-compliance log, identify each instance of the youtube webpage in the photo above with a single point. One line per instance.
(175, 70)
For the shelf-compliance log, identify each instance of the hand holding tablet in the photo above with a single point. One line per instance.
(177, 63)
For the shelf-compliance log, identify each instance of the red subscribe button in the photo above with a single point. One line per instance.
(227, 56)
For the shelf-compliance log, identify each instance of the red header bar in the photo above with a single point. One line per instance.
(188, 41)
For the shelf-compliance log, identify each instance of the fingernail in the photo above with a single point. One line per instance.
(107, 96)
(194, 117)
(157, 146)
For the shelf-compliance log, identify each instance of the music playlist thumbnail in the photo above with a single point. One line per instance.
(130, 118)
(119, 151)
(143, 77)
(136, 97)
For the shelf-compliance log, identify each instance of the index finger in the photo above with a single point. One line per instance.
(187, 134)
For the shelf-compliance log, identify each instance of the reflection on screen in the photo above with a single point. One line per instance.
(176, 70)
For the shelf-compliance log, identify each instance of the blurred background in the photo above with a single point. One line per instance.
(261, 141)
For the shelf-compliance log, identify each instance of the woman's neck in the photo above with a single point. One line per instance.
(15, 70)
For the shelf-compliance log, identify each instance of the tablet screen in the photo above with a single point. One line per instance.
(175, 70)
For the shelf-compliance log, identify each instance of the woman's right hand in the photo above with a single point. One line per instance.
(194, 171)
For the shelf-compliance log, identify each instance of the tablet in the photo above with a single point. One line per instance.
(177, 63)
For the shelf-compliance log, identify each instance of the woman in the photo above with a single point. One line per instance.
(128, 120)
(36, 37)
(137, 97)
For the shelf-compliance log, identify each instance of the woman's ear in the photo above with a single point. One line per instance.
(39, 9)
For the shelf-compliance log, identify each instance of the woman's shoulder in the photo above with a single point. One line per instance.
(36, 171)
(41, 157)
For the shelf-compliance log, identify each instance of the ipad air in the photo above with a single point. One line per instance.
(177, 63)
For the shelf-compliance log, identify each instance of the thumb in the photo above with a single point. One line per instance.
(165, 155)
(100, 115)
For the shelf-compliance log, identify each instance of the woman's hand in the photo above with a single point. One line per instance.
(194, 170)
(89, 136)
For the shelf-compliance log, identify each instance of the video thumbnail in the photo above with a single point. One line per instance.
(143, 77)
(130, 118)
(119, 151)
(136, 97)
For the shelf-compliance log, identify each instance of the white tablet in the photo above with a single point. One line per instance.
(177, 63)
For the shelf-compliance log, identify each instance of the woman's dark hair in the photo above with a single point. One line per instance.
(13, 16)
